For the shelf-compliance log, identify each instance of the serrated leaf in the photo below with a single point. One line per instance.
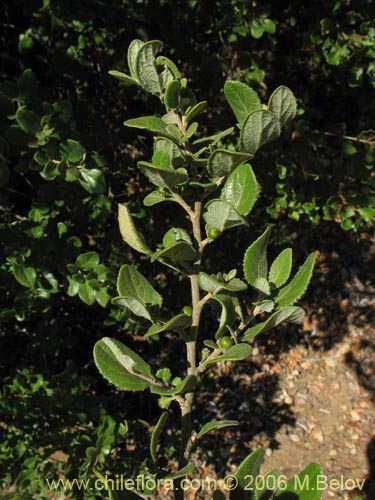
(246, 474)
(211, 283)
(176, 324)
(162, 176)
(129, 232)
(155, 436)
(26, 276)
(294, 290)
(221, 215)
(146, 69)
(255, 261)
(262, 286)
(123, 77)
(195, 111)
(283, 104)
(237, 352)
(186, 385)
(304, 486)
(222, 162)
(242, 99)
(121, 366)
(292, 314)
(259, 128)
(241, 189)
(28, 121)
(228, 312)
(211, 426)
(281, 267)
(180, 252)
(133, 50)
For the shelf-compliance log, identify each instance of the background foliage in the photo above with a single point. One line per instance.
(66, 159)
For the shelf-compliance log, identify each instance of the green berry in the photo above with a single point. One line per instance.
(214, 233)
(225, 342)
(187, 310)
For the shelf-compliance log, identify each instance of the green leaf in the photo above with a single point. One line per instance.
(164, 61)
(161, 176)
(186, 385)
(222, 162)
(151, 123)
(17, 136)
(180, 252)
(72, 151)
(259, 128)
(189, 133)
(196, 110)
(228, 311)
(283, 104)
(174, 235)
(175, 155)
(176, 324)
(123, 77)
(238, 352)
(270, 479)
(246, 474)
(26, 276)
(214, 139)
(292, 314)
(241, 189)
(154, 198)
(133, 51)
(172, 94)
(255, 261)
(211, 283)
(294, 290)
(135, 292)
(188, 469)
(28, 121)
(146, 69)
(129, 232)
(304, 486)
(121, 366)
(155, 436)
(87, 293)
(281, 267)
(88, 260)
(242, 99)
(92, 180)
(211, 426)
(221, 215)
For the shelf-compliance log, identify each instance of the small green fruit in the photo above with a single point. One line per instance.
(225, 342)
(187, 310)
(214, 233)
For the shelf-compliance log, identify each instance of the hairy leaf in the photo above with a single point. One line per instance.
(283, 104)
(255, 261)
(133, 51)
(151, 123)
(249, 468)
(129, 232)
(186, 385)
(211, 283)
(221, 215)
(195, 111)
(241, 189)
(123, 77)
(238, 352)
(222, 162)
(146, 68)
(281, 267)
(174, 235)
(162, 176)
(304, 486)
(176, 324)
(121, 366)
(291, 314)
(211, 426)
(156, 434)
(294, 290)
(259, 128)
(242, 99)
(180, 252)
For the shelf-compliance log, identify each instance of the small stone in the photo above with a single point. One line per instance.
(268, 452)
(294, 438)
(333, 453)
